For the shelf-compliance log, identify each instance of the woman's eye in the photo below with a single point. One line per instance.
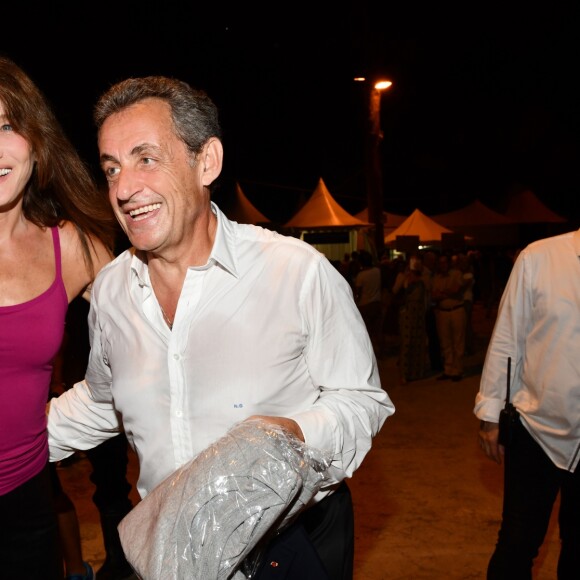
(6, 127)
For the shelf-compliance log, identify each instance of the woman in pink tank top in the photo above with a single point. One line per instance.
(57, 232)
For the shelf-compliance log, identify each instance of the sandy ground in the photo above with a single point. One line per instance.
(427, 501)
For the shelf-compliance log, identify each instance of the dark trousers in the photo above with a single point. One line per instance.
(29, 541)
(109, 461)
(319, 545)
(531, 486)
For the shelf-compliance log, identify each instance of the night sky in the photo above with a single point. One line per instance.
(484, 101)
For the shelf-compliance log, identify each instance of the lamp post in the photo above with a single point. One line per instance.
(374, 177)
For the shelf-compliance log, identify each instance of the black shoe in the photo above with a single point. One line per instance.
(456, 378)
(443, 377)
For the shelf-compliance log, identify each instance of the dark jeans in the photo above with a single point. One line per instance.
(318, 546)
(531, 486)
(29, 541)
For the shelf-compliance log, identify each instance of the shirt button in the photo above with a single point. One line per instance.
(178, 413)
(176, 357)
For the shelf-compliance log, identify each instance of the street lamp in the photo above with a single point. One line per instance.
(374, 177)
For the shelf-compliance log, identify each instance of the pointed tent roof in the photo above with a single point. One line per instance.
(474, 214)
(526, 207)
(481, 224)
(390, 220)
(322, 211)
(418, 224)
(244, 212)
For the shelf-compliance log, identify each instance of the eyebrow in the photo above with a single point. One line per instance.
(137, 150)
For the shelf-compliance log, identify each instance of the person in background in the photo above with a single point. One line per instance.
(205, 322)
(75, 567)
(534, 348)
(413, 335)
(354, 267)
(430, 259)
(367, 292)
(447, 292)
(109, 460)
(57, 232)
(465, 266)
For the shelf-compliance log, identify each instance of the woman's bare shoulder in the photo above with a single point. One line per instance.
(77, 274)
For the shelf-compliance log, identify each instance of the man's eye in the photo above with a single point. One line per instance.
(147, 160)
(111, 172)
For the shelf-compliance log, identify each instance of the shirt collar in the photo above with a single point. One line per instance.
(223, 251)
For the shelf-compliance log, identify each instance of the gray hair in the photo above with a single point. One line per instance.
(195, 116)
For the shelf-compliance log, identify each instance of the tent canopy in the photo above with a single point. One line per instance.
(526, 208)
(322, 211)
(484, 226)
(418, 224)
(244, 212)
(474, 214)
(390, 220)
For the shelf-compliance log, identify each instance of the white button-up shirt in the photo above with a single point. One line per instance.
(538, 326)
(268, 326)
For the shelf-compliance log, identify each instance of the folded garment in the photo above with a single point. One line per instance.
(203, 521)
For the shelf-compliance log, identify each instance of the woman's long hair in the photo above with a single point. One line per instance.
(61, 186)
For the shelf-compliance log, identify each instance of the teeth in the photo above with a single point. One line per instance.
(144, 209)
(5, 171)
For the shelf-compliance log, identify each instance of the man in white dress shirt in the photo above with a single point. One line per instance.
(206, 322)
(538, 331)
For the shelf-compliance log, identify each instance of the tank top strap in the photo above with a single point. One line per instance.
(57, 256)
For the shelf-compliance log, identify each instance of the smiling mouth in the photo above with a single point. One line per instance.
(144, 210)
(4, 172)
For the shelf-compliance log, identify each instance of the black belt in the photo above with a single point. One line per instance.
(451, 309)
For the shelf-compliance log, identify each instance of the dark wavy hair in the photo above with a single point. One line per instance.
(194, 115)
(61, 186)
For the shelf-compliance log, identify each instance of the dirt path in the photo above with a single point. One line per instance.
(427, 501)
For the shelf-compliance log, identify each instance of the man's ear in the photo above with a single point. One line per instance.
(211, 160)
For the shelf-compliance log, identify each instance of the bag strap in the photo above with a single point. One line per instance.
(509, 373)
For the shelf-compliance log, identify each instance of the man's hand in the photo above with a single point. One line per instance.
(488, 435)
(288, 424)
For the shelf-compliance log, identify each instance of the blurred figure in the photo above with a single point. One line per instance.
(433, 346)
(367, 292)
(354, 267)
(109, 460)
(76, 568)
(466, 268)
(413, 336)
(447, 292)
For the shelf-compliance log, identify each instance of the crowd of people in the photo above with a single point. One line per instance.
(424, 299)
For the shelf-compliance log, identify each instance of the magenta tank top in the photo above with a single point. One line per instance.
(30, 336)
